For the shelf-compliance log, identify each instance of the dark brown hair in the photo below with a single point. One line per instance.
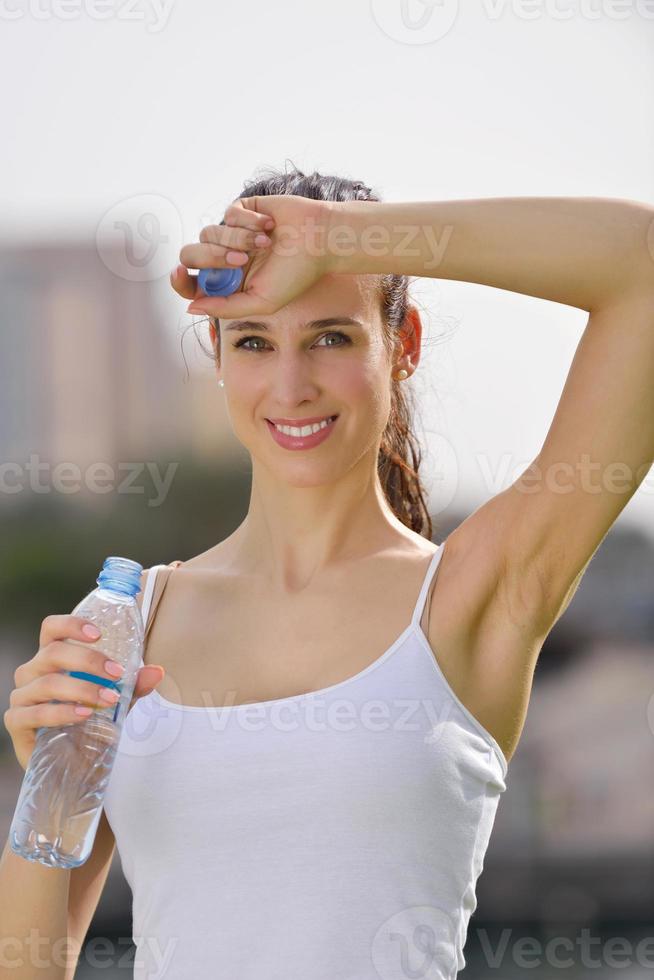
(399, 453)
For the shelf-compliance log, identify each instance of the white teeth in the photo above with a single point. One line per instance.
(305, 430)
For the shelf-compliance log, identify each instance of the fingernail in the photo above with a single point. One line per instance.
(237, 258)
(91, 631)
(113, 668)
(270, 223)
(195, 308)
(261, 240)
(109, 695)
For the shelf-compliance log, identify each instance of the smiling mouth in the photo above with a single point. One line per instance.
(297, 429)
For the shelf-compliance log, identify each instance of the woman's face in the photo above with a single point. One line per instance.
(289, 371)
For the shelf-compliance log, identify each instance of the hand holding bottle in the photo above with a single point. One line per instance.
(42, 680)
(274, 273)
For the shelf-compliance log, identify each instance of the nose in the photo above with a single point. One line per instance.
(293, 383)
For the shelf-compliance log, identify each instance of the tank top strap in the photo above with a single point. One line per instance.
(429, 575)
(148, 592)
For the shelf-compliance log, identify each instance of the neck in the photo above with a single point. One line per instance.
(291, 534)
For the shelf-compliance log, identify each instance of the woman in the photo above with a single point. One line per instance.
(291, 801)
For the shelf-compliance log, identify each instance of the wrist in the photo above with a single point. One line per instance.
(351, 229)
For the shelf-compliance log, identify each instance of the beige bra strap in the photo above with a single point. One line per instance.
(162, 573)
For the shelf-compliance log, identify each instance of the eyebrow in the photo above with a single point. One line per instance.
(330, 321)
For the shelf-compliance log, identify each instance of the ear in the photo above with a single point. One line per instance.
(409, 341)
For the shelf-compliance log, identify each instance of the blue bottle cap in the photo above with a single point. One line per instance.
(219, 282)
(121, 575)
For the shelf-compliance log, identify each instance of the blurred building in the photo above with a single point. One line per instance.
(89, 375)
(586, 756)
(574, 835)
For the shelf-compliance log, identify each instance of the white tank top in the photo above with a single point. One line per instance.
(336, 835)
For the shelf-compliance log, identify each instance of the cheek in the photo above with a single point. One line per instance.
(353, 380)
(247, 385)
(365, 388)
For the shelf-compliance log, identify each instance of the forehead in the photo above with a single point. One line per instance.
(332, 295)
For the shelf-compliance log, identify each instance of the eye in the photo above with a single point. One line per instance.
(333, 333)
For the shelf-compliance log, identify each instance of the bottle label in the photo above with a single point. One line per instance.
(105, 683)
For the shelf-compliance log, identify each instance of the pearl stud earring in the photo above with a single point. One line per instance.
(221, 383)
(401, 375)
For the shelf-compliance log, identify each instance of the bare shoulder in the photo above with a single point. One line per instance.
(486, 625)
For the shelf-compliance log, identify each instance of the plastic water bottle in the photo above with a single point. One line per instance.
(219, 282)
(60, 802)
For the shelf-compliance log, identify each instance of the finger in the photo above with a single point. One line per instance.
(239, 304)
(58, 627)
(206, 256)
(184, 283)
(244, 213)
(64, 655)
(61, 687)
(146, 680)
(244, 239)
(29, 718)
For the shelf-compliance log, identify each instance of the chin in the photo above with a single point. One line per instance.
(304, 476)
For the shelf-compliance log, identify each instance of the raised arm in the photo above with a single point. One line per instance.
(593, 253)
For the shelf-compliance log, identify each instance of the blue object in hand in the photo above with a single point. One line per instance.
(219, 282)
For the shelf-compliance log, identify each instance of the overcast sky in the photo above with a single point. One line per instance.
(112, 106)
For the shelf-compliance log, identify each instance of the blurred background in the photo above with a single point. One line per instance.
(128, 127)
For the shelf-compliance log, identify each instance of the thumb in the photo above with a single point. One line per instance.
(146, 680)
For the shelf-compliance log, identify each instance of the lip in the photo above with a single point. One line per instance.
(301, 442)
